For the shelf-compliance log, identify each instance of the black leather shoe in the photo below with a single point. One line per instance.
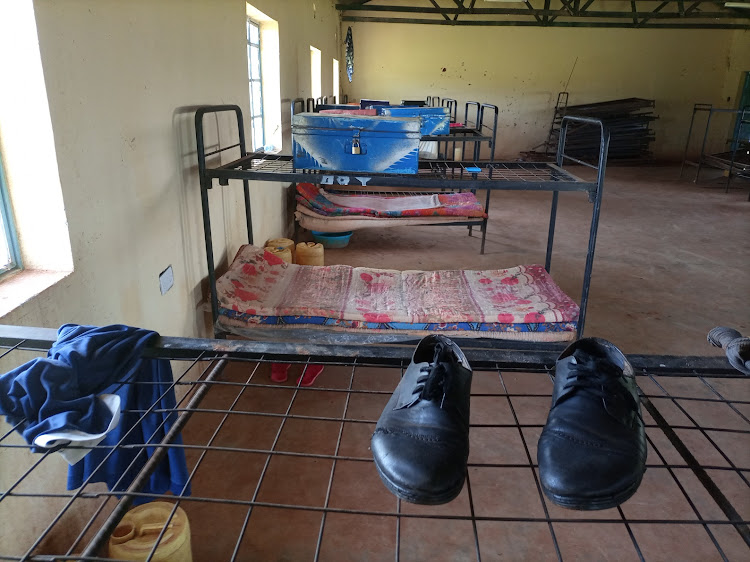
(421, 441)
(592, 451)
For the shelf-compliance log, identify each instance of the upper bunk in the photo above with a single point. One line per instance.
(446, 174)
(471, 174)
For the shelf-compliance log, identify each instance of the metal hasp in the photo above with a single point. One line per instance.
(435, 174)
(736, 161)
(643, 14)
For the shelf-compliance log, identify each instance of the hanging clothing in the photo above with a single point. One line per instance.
(75, 395)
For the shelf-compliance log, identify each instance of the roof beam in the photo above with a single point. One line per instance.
(594, 14)
(656, 10)
(567, 11)
(460, 4)
(573, 13)
(533, 11)
(696, 24)
(441, 10)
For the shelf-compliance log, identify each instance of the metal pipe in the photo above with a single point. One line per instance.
(603, 150)
(551, 234)
(101, 537)
(703, 146)
(697, 107)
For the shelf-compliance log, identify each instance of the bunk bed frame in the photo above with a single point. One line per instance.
(469, 131)
(676, 392)
(734, 161)
(435, 175)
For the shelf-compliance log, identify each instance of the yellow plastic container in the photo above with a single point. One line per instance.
(135, 536)
(284, 253)
(309, 253)
(282, 243)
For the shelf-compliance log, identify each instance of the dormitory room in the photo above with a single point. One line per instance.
(412, 280)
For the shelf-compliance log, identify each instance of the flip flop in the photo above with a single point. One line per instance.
(309, 374)
(279, 372)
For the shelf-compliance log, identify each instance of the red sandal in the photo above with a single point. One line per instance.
(279, 371)
(309, 374)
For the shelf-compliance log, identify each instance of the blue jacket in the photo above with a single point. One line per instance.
(59, 392)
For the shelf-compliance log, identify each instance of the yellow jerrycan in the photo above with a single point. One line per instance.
(136, 534)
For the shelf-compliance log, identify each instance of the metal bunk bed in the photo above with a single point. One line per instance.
(694, 488)
(492, 175)
(736, 160)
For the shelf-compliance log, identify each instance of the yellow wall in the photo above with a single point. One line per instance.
(123, 79)
(521, 70)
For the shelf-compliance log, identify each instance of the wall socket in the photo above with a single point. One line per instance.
(166, 279)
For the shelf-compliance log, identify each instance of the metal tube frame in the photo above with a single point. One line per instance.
(597, 201)
(206, 184)
(661, 372)
(704, 159)
(696, 108)
(469, 180)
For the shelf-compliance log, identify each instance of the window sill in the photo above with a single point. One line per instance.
(18, 288)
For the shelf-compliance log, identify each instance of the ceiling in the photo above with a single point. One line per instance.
(663, 14)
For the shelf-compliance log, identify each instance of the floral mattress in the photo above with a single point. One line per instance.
(261, 290)
(448, 204)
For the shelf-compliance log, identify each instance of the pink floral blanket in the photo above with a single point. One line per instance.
(260, 284)
(451, 205)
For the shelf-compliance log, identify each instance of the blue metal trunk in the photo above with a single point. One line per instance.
(355, 143)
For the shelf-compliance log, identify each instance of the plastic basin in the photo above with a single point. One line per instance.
(332, 239)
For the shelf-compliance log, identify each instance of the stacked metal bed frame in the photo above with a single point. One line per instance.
(434, 175)
(694, 495)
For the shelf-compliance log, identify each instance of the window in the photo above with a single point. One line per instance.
(9, 255)
(256, 84)
(264, 74)
(336, 79)
(315, 70)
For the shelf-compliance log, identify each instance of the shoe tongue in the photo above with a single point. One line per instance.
(441, 353)
(443, 363)
(600, 376)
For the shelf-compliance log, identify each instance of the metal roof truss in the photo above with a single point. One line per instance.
(649, 14)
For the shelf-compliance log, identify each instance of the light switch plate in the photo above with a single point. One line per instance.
(166, 280)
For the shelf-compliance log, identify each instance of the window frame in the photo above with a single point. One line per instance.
(255, 112)
(9, 226)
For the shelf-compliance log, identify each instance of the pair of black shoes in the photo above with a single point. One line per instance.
(592, 451)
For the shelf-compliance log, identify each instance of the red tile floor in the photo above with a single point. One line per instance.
(319, 496)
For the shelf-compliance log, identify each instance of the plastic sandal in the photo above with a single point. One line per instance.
(309, 374)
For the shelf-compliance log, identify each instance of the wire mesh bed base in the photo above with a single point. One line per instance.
(464, 174)
(280, 471)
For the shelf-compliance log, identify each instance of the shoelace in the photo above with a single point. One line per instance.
(599, 381)
(432, 381)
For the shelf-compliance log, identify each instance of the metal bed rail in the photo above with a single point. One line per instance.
(446, 174)
(735, 167)
(695, 462)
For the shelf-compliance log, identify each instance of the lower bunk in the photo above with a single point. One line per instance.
(261, 297)
(341, 210)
